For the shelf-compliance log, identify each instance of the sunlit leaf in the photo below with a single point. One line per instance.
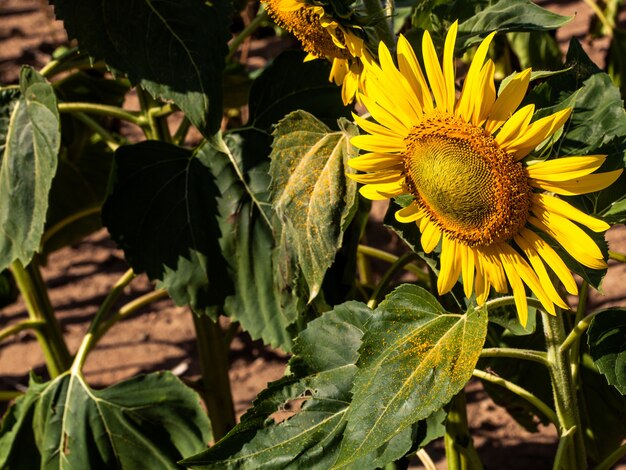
(162, 212)
(150, 421)
(311, 193)
(28, 164)
(175, 50)
(415, 357)
(606, 337)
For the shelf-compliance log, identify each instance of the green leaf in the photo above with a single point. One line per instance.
(175, 50)
(289, 84)
(508, 15)
(606, 337)
(29, 162)
(537, 49)
(310, 192)
(162, 212)
(415, 357)
(150, 421)
(245, 217)
(508, 318)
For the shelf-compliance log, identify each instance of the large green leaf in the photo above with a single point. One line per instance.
(246, 219)
(175, 50)
(289, 84)
(150, 421)
(311, 193)
(322, 373)
(508, 15)
(29, 162)
(163, 213)
(415, 357)
(606, 337)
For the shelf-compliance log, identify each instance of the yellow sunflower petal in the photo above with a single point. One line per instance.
(493, 270)
(448, 66)
(519, 292)
(378, 144)
(515, 125)
(559, 206)
(571, 237)
(433, 72)
(349, 88)
(551, 258)
(536, 132)
(464, 105)
(467, 268)
(481, 284)
(374, 128)
(450, 265)
(487, 91)
(376, 161)
(539, 269)
(381, 192)
(410, 68)
(430, 235)
(508, 101)
(309, 57)
(379, 177)
(566, 168)
(382, 115)
(410, 213)
(582, 185)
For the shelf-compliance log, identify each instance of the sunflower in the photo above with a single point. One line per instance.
(322, 37)
(461, 160)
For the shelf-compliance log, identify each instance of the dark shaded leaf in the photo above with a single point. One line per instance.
(175, 50)
(415, 357)
(606, 337)
(289, 84)
(150, 421)
(311, 194)
(29, 162)
(162, 212)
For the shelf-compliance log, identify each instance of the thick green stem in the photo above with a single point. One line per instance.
(102, 110)
(564, 391)
(21, 326)
(213, 355)
(391, 258)
(247, 31)
(458, 442)
(519, 391)
(525, 354)
(389, 274)
(50, 337)
(90, 338)
(574, 355)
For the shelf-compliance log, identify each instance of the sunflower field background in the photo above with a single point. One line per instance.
(245, 193)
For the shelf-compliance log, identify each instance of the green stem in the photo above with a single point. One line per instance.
(607, 463)
(578, 331)
(92, 124)
(21, 326)
(247, 31)
(50, 337)
(525, 354)
(181, 133)
(614, 255)
(8, 395)
(61, 224)
(459, 441)
(564, 393)
(565, 443)
(391, 258)
(213, 356)
(608, 27)
(427, 462)
(574, 356)
(519, 391)
(388, 276)
(90, 338)
(102, 110)
(510, 300)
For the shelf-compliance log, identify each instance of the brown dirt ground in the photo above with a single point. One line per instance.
(161, 337)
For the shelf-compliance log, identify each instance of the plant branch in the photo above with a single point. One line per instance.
(428, 463)
(92, 124)
(102, 110)
(389, 274)
(577, 332)
(520, 392)
(608, 462)
(391, 258)
(61, 224)
(510, 300)
(21, 326)
(233, 46)
(8, 395)
(614, 255)
(525, 354)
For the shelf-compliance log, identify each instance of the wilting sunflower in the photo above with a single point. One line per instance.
(322, 37)
(461, 160)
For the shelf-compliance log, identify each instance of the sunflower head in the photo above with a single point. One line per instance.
(461, 159)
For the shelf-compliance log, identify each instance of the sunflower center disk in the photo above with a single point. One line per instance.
(305, 25)
(471, 188)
